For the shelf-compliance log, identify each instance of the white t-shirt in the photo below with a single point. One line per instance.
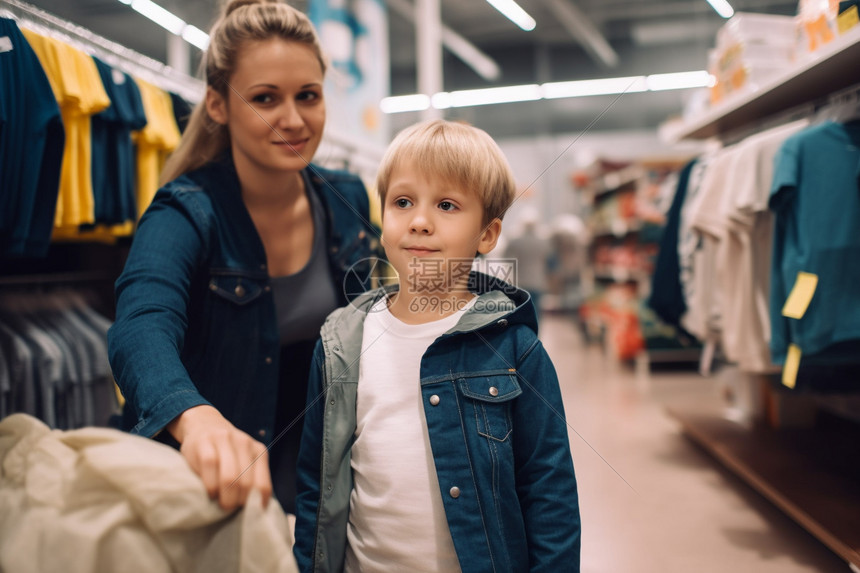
(736, 230)
(396, 517)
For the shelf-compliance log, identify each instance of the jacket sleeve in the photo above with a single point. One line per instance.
(308, 466)
(152, 295)
(546, 484)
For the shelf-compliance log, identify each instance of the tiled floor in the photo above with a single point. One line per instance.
(652, 501)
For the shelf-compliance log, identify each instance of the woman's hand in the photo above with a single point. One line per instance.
(230, 462)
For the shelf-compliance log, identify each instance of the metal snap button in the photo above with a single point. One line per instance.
(262, 433)
(494, 391)
(434, 400)
(213, 286)
(503, 322)
(239, 290)
(455, 492)
(268, 359)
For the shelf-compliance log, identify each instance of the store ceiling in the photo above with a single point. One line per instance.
(573, 39)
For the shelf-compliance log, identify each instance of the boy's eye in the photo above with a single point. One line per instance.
(403, 203)
(447, 206)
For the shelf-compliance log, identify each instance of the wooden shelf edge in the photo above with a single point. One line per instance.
(726, 456)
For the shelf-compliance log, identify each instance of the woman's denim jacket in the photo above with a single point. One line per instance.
(497, 432)
(195, 317)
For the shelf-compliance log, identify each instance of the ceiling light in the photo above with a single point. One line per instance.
(582, 88)
(489, 96)
(397, 104)
(195, 36)
(679, 81)
(159, 15)
(513, 12)
(722, 7)
(554, 90)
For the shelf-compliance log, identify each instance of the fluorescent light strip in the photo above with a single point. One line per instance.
(196, 37)
(594, 87)
(554, 90)
(416, 102)
(722, 7)
(679, 81)
(514, 12)
(159, 15)
(170, 22)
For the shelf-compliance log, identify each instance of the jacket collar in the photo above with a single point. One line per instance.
(498, 303)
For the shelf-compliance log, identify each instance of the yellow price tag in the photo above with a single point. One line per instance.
(792, 364)
(847, 19)
(801, 295)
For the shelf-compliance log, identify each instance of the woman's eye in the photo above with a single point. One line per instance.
(262, 98)
(403, 203)
(447, 206)
(308, 96)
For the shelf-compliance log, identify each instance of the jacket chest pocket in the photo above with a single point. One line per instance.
(236, 288)
(489, 397)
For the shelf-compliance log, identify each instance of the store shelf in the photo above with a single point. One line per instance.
(833, 68)
(615, 181)
(811, 475)
(620, 230)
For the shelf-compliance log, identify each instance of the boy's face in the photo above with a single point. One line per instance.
(431, 230)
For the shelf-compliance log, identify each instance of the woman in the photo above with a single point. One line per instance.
(238, 260)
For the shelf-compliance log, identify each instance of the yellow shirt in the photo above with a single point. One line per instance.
(154, 142)
(79, 92)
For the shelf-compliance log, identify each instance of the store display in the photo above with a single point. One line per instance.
(750, 49)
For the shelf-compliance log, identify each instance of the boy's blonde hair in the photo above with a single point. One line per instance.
(458, 153)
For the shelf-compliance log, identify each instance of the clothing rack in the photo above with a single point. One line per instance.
(338, 149)
(133, 63)
(840, 106)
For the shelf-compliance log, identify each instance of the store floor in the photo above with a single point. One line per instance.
(651, 500)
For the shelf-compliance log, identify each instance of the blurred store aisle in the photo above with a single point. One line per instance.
(651, 501)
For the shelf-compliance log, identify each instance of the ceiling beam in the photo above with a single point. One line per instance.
(483, 64)
(626, 12)
(583, 29)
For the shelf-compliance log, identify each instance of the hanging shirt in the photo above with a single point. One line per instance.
(154, 142)
(79, 92)
(815, 199)
(113, 153)
(31, 147)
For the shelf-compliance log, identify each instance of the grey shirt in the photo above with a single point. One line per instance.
(304, 299)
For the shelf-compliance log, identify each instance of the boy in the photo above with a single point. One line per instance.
(435, 438)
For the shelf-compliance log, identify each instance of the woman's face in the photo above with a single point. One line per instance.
(274, 108)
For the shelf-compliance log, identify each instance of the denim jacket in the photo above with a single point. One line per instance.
(497, 433)
(195, 317)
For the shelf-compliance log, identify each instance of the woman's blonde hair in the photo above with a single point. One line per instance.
(241, 21)
(458, 153)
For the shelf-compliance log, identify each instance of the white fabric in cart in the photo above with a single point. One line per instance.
(98, 499)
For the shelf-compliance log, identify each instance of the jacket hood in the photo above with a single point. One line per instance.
(498, 301)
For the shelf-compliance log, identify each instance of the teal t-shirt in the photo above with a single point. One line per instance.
(816, 202)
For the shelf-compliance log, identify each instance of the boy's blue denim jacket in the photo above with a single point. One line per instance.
(506, 449)
(195, 317)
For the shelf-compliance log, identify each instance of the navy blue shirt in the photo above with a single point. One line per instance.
(31, 148)
(113, 166)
